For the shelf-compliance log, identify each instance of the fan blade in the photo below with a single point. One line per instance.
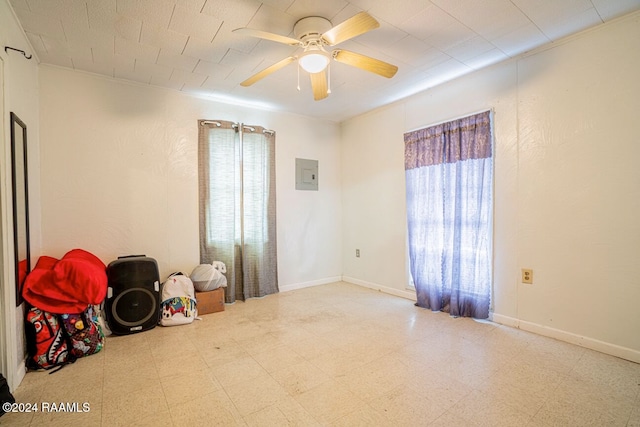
(264, 73)
(365, 63)
(267, 36)
(352, 27)
(319, 85)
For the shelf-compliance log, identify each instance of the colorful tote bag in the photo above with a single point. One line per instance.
(47, 343)
(85, 334)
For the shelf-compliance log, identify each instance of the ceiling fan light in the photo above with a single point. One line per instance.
(314, 61)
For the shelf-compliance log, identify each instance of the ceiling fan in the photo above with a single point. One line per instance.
(312, 35)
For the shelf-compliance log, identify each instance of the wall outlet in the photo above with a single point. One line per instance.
(527, 276)
(357, 253)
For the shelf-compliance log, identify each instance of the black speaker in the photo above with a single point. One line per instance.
(133, 295)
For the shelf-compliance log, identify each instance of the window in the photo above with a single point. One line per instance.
(449, 176)
(237, 205)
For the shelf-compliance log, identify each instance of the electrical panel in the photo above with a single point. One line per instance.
(306, 174)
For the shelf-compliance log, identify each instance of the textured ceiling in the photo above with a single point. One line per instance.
(188, 45)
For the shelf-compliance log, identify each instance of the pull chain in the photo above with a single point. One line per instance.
(329, 85)
(298, 77)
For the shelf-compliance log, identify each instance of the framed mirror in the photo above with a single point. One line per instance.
(20, 203)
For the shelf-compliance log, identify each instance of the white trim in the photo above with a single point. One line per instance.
(21, 372)
(391, 291)
(302, 285)
(13, 369)
(582, 341)
(5, 348)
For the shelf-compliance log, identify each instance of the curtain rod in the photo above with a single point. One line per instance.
(450, 120)
(235, 126)
(6, 49)
(252, 129)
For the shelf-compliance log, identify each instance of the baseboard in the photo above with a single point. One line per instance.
(590, 343)
(21, 371)
(411, 295)
(302, 285)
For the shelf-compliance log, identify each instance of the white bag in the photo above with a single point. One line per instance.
(178, 301)
(208, 277)
(99, 309)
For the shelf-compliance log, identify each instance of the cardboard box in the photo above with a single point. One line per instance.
(210, 302)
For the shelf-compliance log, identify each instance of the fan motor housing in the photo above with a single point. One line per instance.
(311, 28)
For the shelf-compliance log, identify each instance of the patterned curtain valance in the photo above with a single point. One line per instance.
(457, 140)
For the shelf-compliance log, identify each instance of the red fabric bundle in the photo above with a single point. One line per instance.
(68, 285)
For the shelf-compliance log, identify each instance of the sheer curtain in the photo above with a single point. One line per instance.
(238, 205)
(449, 178)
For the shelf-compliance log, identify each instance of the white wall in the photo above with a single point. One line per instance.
(373, 200)
(567, 186)
(20, 90)
(119, 167)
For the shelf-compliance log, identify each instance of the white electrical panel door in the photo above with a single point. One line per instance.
(306, 174)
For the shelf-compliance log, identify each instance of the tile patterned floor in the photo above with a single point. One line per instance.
(338, 355)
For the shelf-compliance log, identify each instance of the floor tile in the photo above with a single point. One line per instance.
(337, 355)
(634, 418)
(18, 419)
(256, 394)
(278, 358)
(300, 377)
(188, 385)
(365, 416)
(214, 409)
(329, 401)
(376, 378)
(236, 371)
(68, 412)
(285, 412)
(404, 407)
(144, 407)
(481, 409)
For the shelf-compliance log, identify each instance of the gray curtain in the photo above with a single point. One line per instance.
(237, 191)
(449, 178)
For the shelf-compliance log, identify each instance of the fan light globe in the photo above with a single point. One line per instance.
(314, 61)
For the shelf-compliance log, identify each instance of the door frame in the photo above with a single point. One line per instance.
(8, 310)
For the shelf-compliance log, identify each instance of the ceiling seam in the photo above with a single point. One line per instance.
(530, 20)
